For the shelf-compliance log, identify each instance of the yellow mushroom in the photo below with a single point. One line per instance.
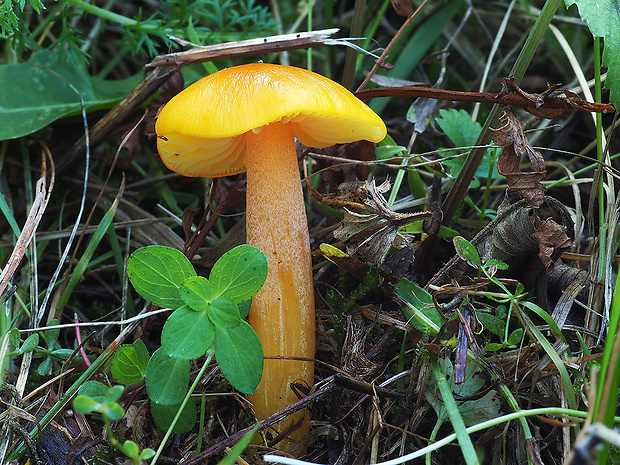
(247, 118)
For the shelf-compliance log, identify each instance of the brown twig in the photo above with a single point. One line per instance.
(502, 98)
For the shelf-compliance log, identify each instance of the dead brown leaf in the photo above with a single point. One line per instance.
(550, 237)
(514, 144)
(370, 227)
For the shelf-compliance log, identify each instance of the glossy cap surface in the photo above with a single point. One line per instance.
(200, 131)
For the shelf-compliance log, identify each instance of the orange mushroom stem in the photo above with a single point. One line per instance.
(282, 312)
(249, 116)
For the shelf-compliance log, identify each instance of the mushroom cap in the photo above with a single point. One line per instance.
(200, 131)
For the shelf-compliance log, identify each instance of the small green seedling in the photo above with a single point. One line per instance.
(51, 351)
(209, 318)
(96, 397)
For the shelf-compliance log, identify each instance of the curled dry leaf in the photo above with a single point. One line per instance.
(370, 231)
(550, 237)
(514, 144)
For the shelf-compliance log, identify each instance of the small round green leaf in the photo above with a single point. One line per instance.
(187, 334)
(466, 251)
(157, 272)
(240, 356)
(224, 312)
(85, 405)
(239, 273)
(113, 411)
(130, 449)
(95, 390)
(515, 337)
(196, 292)
(164, 414)
(167, 378)
(30, 343)
(114, 393)
(129, 363)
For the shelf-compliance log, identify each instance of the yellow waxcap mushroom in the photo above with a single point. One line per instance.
(200, 131)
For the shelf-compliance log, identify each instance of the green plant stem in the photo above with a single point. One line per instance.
(467, 447)
(188, 396)
(103, 14)
(457, 193)
(609, 373)
(370, 31)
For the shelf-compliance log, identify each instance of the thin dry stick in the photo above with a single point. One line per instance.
(244, 48)
(42, 196)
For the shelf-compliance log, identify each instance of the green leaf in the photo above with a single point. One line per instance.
(240, 356)
(167, 378)
(244, 308)
(494, 346)
(239, 273)
(383, 152)
(187, 334)
(224, 312)
(51, 335)
(500, 265)
(492, 323)
(15, 338)
(164, 414)
(515, 337)
(196, 292)
(85, 405)
(49, 87)
(146, 454)
(95, 390)
(467, 251)
(113, 411)
(463, 132)
(114, 393)
(130, 449)
(603, 18)
(157, 272)
(29, 344)
(128, 364)
(420, 309)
